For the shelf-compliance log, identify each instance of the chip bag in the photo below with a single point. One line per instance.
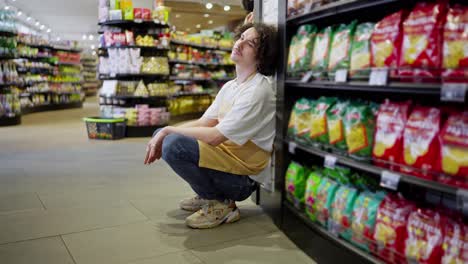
(421, 53)
(318, 120)
(455, 243)
(421, 146)
(455, 47)
(339, 174)
(336, 132)
(295, 183)
(363, 219)
(425, 236)
(386, 41)
(454, 150)
(359, 126)
(390, 228)
(319, 62)
(325, 194)
(313, 182)
(360, 51)
(341, 47)
(300, 50)
(342, 209)
(388, 141)
(301, 117)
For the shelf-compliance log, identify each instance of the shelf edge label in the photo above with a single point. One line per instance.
(292, 147)
(453, 92)
(389, 180)
(378, 77)
(307, 77)
(329, 161)
(341, 76)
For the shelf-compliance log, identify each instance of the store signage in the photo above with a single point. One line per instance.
(292, 147)
(390, 180)
(341, 76)
(330, 161)
(378, 77)
(453, 92)
(307, 77)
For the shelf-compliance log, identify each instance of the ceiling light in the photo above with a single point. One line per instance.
(206, 15)
(42, 27)
(49, 30)
(187, 29)
(85, 37)
(198, 26)
(37, 23)
(92, 46)
(177, 15)
(29, 18)
(210, 22)
(227, 8)
(58, 38)
(13, 0)
(19, 13)
(209, 5)
(91, 37)
(7, 7)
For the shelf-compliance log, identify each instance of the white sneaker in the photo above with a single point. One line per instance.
(192, 204)
(212, 215)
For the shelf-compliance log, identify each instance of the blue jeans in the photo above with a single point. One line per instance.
(182, 155)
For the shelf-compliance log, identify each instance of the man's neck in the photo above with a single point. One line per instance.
(244, 73)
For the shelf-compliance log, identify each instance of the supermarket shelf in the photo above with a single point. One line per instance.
(68, 63)
(367, 167)
(48, 71)
(8, 33)
(131, 101)
(64, 82)
(177, 42)
(9, 84)
(8, 57)
(34, 57)
(362, 255)
(132, 76)
(142, 48)
(51, 107)
(65, 49)
(141, 131)
(26, 94)
(175, 78)
(37, 46)
(10, 121)
(200, 63)
(133, 24)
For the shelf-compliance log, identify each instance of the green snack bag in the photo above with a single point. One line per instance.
(319, 62)
(295, 183)
(318, 120)
(325, 194)
(338, 174)
(363, 219)
(292, 122)
(359, 130)
(341, 47)
(342, 209)
(336, 132)
(301, 118)
(293, 57)
(360, 52)
(301, 48)
(313, 182)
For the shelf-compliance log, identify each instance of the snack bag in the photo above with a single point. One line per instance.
(421, 53)
(292, 121)
(388, 141)
(336, 132)
(341, 47)
(302, 118)
(386, 41)
(421, 146)
(295, 183)
(454, 150)
(318, 120)
(313, 182)
(455, 47)
(455, 243)
(363, 219)
(325, 194)
(425, 236)
(360, 51)
(342, 209)
(319, 62)
(339, 174)
(300, 54)
(359, 126)
(390, 228)
(293, 56)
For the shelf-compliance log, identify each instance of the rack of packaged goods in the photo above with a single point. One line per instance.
(89, 72)
(371, 152)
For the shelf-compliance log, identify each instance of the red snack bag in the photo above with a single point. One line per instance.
(385, 42)
(454, 150)
(390, 228)
(420, 141)
(137, 13)
(455, 51)
(146, 14)
(455, 243)
(388, 142)
(425, 236)
(421, 52)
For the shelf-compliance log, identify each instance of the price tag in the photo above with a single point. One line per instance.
(390, 180)
(453, 92)
(330, 161)
(156, 21)
(112, 75)
(292, 147)
(462, 200)
(378, 77)
(341, 76)
(307, 77)
(138, 20)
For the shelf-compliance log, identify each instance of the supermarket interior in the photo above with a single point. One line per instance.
(152, 131)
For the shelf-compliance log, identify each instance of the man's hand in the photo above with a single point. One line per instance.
(154, 147)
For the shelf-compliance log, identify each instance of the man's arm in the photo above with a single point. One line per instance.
(209, 135)
(201, 122)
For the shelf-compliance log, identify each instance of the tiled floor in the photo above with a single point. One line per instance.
(65, 199)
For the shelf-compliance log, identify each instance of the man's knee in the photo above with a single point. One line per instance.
(156, 132)
(178, 147)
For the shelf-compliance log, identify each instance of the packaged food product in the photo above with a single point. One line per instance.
(386, 42)
(295, 183)
(454, 150)
(421, 145)
(425, 236)
(421, 52)
(319, 62)
(363, 219)
(336, 132)
(325, 194)
(292, 122)
(129, 38)
(127, 9)
(300, 50)
(339, 174)
(360, 51)
(388, 141)
(137, 13)
(302, 118)
(359, 125)
(390, 228)
(455, 47)
(146, 14)
(313, 182)
(341, 47)
(115, 14)
(318, 120)
(455, 243)
(342, 209)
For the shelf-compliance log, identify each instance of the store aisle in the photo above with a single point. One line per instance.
(66, 199)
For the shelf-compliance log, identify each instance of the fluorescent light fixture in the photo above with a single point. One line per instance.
(85, 37)
(91, 37)
(209, 5)
(49, 30)
(177, 15)
(58, 38)
(210, 22)
(28, 19)
(93, 47)
(198, 26)
(42, 27)
(206, 15)
(227, 8)
(19, 13)
(7, 8)
(37, 23)
(187, 29)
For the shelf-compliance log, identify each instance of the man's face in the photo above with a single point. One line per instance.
(244, 50)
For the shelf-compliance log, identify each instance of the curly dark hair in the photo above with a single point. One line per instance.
(267, 47)
(248, 5)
